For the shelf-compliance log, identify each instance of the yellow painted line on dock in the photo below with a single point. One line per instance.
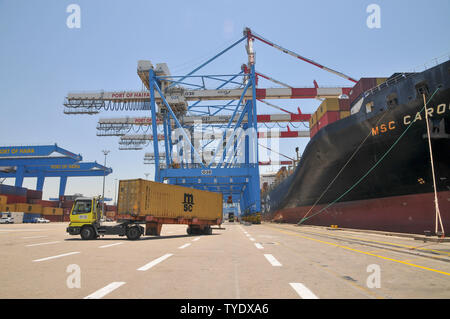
(376, 251)
(384, 242)
(363, 252)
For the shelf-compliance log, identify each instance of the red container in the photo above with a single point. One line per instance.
(328, 118)
(67, 204)
(47, 203)
(363, 85)
(344, 105)
(14, 199)
(111, 208)
(54, 218)
(313, 130)
(32, 194)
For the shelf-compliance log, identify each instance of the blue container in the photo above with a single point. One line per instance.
(12, 190)
(28, 218)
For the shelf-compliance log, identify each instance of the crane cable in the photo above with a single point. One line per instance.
(371, 169)
(342, 169)
(276, 152)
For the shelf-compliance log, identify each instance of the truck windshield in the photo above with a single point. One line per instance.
(82, 207)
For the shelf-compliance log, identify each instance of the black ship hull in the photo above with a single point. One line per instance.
(381, 152)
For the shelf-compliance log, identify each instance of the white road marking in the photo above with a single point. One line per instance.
(33, 237)
(48, 243)
(154, 262)
(303, 292)
(195, 239)
(251, 238)
(110, 245)
(248, 235)
(184, 246)
(22, 230)
(105, 290)
(58, 256)
(272, 260)
(259, 246)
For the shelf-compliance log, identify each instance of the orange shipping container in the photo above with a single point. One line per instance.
(344, 114)
(140, 197)
(3, 200)
(52, 211)
(381, 80)
(29, 208)
(9, 208)
(327, 105)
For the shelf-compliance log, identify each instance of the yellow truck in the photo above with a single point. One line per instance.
(143, 202)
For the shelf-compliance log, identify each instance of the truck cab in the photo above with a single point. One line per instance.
(86, 221)
(85, 211)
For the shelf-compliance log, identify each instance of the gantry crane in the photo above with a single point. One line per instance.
(224, 158)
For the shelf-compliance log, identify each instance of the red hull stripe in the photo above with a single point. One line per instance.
(404, 214)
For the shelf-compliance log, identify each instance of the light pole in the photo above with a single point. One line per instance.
(105, 152)
(115, 191)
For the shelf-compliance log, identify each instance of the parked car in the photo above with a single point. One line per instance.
(6, 220)
(42, 220)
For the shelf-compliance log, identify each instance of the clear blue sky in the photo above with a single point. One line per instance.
(41, 59)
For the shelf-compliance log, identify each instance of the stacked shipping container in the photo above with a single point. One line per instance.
(363, 85)
(329, 111)
(334, 109)
(143, 198)
(25, 205)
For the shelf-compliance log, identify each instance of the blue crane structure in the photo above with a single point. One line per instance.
(198, 143)
(43, 161)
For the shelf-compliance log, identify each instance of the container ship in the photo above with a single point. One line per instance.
(368, 164)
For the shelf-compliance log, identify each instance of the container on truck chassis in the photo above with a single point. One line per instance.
(143, 202)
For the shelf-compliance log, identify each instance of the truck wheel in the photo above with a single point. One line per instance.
(87, 233)
(133, 233)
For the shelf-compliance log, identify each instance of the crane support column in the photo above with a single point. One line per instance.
(19, 176)
(151, 75)
(40, 181)
(62, 185)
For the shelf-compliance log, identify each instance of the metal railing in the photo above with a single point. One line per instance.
(404, 75)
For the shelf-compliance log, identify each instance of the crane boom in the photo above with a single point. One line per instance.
(251, 34)
(218, 119)
(208, 95)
